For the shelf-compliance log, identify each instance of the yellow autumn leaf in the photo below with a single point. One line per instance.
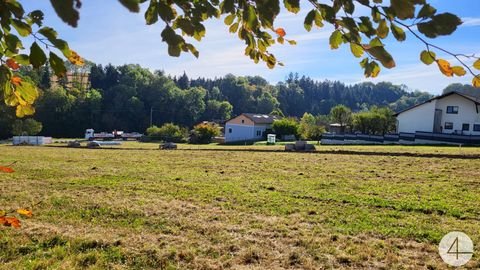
(476, 81)
(477, 64)
(25, 212)
(375, 71)
(20, 100)
(24, 110)
(445, 67)
(75, 59)
(459, 71)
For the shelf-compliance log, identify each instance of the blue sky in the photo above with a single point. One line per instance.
(108, 33)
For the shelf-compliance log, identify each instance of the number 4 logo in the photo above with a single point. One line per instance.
(456, 248)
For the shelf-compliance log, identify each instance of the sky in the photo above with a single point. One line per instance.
(109, 33)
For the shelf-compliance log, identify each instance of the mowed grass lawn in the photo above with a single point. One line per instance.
(215, 207)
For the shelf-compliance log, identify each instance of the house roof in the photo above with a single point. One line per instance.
(471, 98)
(258, 118)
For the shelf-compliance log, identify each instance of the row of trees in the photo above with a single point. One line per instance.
(132, 98)
(375, 121)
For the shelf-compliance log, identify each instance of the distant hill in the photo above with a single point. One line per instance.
(462, 88)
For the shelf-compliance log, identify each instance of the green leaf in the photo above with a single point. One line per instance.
(376, 16)
(382, 30)
(193, 50)
(27, 92)
(376, 42)
(227, 6)
(151, 15)
(67, 11)
(16, 8)
(336, 39)
(49, 33)
(348, 6)
(318, 19)
(199, 32)
(440, 25)
(166, 12)
(174, 50)
(292, 5)
(366, 26)
(22, 59)
(62, 45)
(36, 17)
(250, 18)
(427, 11)
(233, 28)
(57, 65)
(398, 32)
(13, 43)
(382, 55)
(309, 20)
(427, 57)
(229, 19)
(37, 56)
(477, 64)
(356, 49)
(22, 28)
(132, 5)
(292, 42)
(404, 9)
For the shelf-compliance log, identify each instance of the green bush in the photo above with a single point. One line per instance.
(168, 132)
(204, 133)
(309, 129)
(26, 127)
(286, 126)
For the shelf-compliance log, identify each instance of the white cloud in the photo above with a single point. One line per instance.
(470, 21)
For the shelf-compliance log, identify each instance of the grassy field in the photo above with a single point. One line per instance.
(238, 207)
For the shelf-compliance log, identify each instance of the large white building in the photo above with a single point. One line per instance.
(451, 113)
(248, 127)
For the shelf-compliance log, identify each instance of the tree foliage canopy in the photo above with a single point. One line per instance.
(254, 22)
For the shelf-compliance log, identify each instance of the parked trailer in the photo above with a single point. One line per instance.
(106, 136)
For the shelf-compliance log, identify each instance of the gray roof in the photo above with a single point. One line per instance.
(259, 118)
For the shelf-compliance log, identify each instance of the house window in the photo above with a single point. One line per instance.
(259, 133)
(476, 127)
(229, 130)
(452, 109)
(243, 121)
(448, 125)
(466, 127)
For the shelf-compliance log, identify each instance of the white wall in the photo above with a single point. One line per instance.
(260, 128)
(417, 119)
(467, 114)
(239, 132)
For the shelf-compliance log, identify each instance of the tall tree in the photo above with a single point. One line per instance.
(342, 115)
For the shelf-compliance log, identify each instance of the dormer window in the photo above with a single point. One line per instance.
(452, 109)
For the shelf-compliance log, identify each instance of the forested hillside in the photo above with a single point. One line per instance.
(128, 97)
